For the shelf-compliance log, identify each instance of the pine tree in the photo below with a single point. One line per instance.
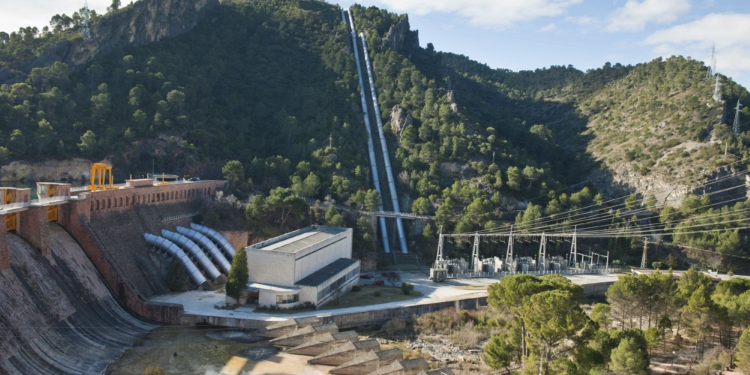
(238, 274)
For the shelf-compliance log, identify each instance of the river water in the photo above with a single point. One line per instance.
(210, 351)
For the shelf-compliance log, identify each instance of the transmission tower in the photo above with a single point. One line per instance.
(712, 66)
(644, 259)
(717, 89)
(736, 125)
(85, 23)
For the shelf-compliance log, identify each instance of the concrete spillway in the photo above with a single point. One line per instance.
(56, 314)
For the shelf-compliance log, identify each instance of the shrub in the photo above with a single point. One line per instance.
(377, 294)
(393, 326)
(407, 287)
(356, 289)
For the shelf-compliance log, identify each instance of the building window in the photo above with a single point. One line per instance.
(336, 284)
(288, 298)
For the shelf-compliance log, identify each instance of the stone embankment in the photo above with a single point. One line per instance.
(56, 314)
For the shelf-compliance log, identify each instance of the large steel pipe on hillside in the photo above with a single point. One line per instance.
(384, 148)
(195, 252)
(174, 251)
(370, 145)
(217, 238)
(208, 247)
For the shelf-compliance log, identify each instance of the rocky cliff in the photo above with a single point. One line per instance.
(400, 38)
(143, 22)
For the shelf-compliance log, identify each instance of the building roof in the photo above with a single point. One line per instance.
(299, 240)
(326, 273)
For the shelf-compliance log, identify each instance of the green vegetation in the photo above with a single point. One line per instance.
(270, 101)
(407, 288)
(238, 274)
(552, 332)
(371, 295)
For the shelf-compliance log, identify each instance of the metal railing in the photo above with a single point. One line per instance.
(403, 215)
(79, 188)
(12, 206)
(50, 199)
(178, 217)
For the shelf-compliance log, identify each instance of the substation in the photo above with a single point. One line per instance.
(513, 253)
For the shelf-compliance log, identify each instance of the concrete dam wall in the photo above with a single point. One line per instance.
(57, 315)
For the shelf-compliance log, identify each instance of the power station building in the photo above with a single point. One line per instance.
(313, 264)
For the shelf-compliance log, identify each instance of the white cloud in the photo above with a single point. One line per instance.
(548, 28)
(727, 31)
(38, 12)
(486, 13)
(634, 15)
(583, 21)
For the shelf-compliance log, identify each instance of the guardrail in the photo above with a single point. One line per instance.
(12, 206)
(79, 188)
(50, 199)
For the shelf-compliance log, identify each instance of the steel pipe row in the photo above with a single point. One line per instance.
(384, 148)
(370, 145)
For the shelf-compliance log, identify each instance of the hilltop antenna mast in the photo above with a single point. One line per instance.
(736, 125)
(717, 89)
(86, 15)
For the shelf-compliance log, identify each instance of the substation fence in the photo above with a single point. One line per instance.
(474, 275)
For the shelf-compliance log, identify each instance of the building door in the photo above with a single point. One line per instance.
(52, 213)
(10, 222)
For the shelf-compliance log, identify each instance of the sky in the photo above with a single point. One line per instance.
(531, 34)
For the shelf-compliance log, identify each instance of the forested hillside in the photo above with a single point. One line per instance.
(272, 85)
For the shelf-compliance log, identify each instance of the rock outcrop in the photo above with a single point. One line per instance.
(144, 22)
(50, 170)
(400, 119)
(400, 38)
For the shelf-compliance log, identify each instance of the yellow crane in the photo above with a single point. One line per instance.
(99, 174)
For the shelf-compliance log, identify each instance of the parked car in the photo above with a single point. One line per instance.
(365, 276)
(379, 282)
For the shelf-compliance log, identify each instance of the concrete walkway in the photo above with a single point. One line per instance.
(202, 303)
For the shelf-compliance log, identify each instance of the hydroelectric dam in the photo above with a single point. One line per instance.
(76, 272)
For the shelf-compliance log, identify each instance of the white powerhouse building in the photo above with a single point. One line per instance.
(312, 264)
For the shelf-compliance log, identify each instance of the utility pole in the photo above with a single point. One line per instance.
(606, 268)
(440, 248)
(574, 249)
(509, 252)
(644, 259)
(542, 259)
(493, 157)
(476, 266)
(330, 140)
(736, 125)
